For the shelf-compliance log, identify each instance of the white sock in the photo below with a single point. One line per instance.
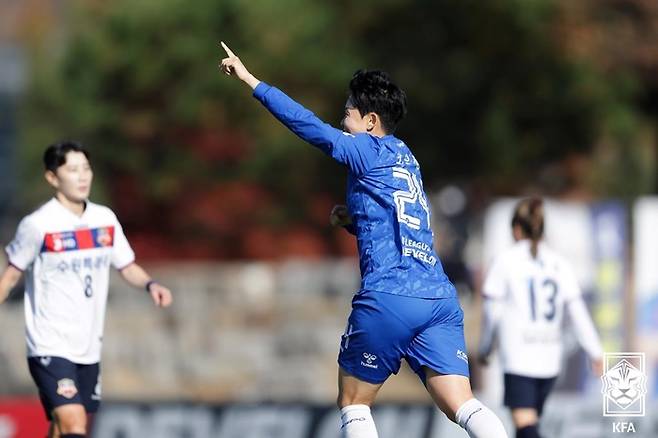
(357, 422)
(479, 421)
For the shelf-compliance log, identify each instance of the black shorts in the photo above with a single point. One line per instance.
(63, 382)
(527, 392)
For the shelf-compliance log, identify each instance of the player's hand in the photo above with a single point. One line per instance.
(232, 66)
(597, 367)
(161, 295)
(340, 216)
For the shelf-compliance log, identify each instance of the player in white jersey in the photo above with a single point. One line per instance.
(527, 291)
(65, 248)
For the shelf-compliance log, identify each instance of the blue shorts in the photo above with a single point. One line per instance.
(63, 382)
(384, 328)
(527, 392)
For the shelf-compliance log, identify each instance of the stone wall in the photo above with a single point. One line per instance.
(243, 331)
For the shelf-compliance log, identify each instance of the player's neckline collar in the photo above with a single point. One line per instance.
(63, 207)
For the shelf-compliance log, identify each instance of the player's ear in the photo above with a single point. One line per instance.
(517, 233)
(51, 178)
(371, 122)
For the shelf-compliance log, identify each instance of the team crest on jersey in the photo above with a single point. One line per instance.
(66, 388)
(624, 385)
(104, 236)
(86, 238)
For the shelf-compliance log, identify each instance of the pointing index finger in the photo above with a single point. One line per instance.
(228, 51)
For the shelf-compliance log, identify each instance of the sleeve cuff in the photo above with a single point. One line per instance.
(261, 89)
(125, 265)
(16, 267)
(10, 262)
(489, 296)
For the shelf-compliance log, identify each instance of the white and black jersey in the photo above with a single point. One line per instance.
(525, 301)
(66, 259)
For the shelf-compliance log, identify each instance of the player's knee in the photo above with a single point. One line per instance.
(353, 391)
(351, 398)
(71, 419)
(344, 400)
(73, 427)
(523, 417)
(340, 402)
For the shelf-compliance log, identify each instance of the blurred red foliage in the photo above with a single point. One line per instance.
(218, 145)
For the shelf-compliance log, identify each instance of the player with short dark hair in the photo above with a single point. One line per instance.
(54, 156)
(406, 307)
(526, 292)
(373, 92)
(66, 248)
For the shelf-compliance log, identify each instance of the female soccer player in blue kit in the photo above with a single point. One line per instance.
(406, 306)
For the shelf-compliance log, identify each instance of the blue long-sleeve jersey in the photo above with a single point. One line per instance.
(385, 198)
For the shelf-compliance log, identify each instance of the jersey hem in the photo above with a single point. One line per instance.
(441, 370)
(73, 359)
(350, 371)
(422, 297)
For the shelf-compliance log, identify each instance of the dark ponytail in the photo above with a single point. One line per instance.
(529, 217)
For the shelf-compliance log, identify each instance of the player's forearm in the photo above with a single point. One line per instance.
(136, 276)
(4, 292)
(251, 80)
(492, 310)
(584, 328)
(8, 280)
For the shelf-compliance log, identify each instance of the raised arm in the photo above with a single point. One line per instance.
(358, 152)
(8, 280)
(231, 65)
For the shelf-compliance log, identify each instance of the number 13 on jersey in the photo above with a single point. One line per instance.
(542, 294)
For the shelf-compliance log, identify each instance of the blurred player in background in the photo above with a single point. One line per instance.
(406, 306)
(66, 248)
(526, 292)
